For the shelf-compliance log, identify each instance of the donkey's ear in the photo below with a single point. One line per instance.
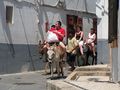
(52, 48)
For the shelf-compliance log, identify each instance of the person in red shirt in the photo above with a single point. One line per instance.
(60, 32)
(55, 34)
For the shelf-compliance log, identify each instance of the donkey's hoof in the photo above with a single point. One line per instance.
(55, 72)
(52, 78)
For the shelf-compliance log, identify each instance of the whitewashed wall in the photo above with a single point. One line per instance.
(19, 40)
(79, 5)
(87, 25)
(102, 31)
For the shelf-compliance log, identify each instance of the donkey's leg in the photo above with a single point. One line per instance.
(58, 68)
(96, 58)
(87, 57)
(94, 62)
(46, 67)
(61, 67)
(51, 69)
(93, 59)
(84, 60)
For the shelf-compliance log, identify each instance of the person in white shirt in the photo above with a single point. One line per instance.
(91, 40)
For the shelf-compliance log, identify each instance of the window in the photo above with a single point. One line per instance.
(9, 14)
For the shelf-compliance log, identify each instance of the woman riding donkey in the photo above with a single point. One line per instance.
(90, 43)
(80, 40)
(91, 40)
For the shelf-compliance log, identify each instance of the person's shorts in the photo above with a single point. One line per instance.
(71, 57)
(81, 43)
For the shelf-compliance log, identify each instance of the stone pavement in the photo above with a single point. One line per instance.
(85, 78)
(83, 83)
(37, 81)
(24, 81)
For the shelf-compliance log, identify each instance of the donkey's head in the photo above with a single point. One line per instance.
(50, 54)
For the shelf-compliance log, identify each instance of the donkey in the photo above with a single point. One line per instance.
(55, 56)
(43, 53)
(51, 59)
(42, 50)
(89, 52)
(59, 54)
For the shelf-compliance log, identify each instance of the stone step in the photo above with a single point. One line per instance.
(96, 70)
(93, 68)
(73, 81)
(94, 73)
(60, 85)
(83, 83)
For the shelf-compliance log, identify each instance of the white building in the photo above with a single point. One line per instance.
(110, 30)
(22, 25)
(102, 30)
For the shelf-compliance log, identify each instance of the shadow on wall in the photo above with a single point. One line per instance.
(40, 12)
(103, 51)
(22, 4)
(43, 12)
(22, 57)
(102, 8)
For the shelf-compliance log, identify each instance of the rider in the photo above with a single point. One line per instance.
(52, 28)
(91, 40)
(79, 36)
(57, 35)
(51, 36)
(60, 32)
(71, 48)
